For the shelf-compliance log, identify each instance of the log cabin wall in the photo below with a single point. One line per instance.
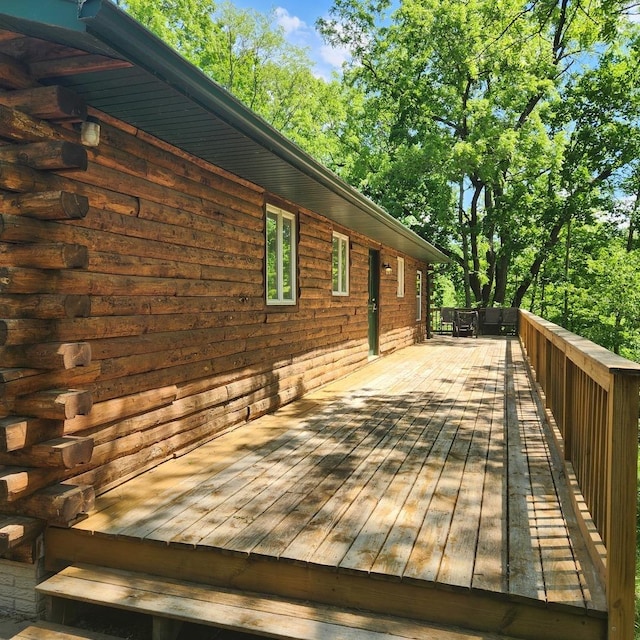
(134, 325)
(399, 326)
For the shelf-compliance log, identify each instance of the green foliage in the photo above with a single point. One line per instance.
(525, 114)
(247, 54)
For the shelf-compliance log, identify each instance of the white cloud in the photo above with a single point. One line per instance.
(335, 56)
(288, 22)
(328, 59)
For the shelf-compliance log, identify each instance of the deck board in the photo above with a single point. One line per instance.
(430, 466)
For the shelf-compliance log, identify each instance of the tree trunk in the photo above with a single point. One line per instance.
(534, 269)
(474, 276)
(502, 271)
(465, 246)
(567, 261)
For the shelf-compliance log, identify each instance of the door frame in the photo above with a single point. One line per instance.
(374, 302)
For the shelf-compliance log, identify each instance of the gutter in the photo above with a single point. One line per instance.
(103, 20)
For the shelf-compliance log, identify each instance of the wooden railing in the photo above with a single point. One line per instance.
(592, 396)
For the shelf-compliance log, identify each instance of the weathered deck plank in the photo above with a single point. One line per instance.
(430, 467)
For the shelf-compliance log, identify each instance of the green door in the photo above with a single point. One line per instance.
(374, 293)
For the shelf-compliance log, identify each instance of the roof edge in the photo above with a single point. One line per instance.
(103, 25)
(103, 20)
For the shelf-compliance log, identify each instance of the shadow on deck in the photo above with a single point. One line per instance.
(423, 486)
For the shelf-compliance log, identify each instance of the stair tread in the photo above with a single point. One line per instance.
(50, 631)
(238, 611)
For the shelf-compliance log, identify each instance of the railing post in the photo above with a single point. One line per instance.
(620, 529)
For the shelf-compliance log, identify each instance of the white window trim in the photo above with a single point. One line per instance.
(345, 290)
(400, 277)
(281, 214)
(418, 296)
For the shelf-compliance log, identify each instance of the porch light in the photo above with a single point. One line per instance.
(90, 133)
(387, 268)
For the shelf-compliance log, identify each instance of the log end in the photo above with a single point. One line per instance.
(78, 403)
(71, 106)
(75, 256)
(66, 451)
(75, 354)
(74, 156)
(74, 206)
(77, 306)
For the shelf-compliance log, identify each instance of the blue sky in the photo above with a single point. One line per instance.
(297, 18)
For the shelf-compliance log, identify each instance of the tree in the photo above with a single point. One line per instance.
(246, 53)
(515, 118)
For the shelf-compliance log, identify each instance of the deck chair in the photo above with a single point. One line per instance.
(447, 315)
(465, 323)
(510, 320)
(492, 320)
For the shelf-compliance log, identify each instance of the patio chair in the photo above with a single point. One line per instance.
(465, 323)
(447, 315)
(510, 320)
(492, 320)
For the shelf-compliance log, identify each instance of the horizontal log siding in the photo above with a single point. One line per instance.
(398, 326)
(171, 303)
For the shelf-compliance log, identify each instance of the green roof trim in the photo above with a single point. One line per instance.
(258, 152)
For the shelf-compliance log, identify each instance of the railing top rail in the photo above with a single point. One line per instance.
(588, 355)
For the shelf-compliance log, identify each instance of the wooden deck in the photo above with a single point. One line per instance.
(422, 486)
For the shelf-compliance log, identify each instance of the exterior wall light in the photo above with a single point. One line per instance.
(387, 268)
(90, 133)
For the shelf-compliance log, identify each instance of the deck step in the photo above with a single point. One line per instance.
(173, 600)
(50, 631)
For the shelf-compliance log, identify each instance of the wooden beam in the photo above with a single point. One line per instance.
(55, 155)
(47, 103)
(11, 374)
(49, 355)
(45, 256)
(14, 74)
(55, 404)
(66, 452)
(45, 307)
(18, 432)
(17, 383)
(22, 331)
(7, 36)
(61, 67)
(19, 482)
(14, 177)
(46, 205)
(16, 530)
(21, 127)
(59, 504)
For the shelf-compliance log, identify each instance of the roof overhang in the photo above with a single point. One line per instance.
(166, 96)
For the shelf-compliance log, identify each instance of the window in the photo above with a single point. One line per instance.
(340, 265)
(400, 277)
(281, 257)
(418, 296)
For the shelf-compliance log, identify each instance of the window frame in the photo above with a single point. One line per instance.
(343, 241)
(281, 215)
(401, 290)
